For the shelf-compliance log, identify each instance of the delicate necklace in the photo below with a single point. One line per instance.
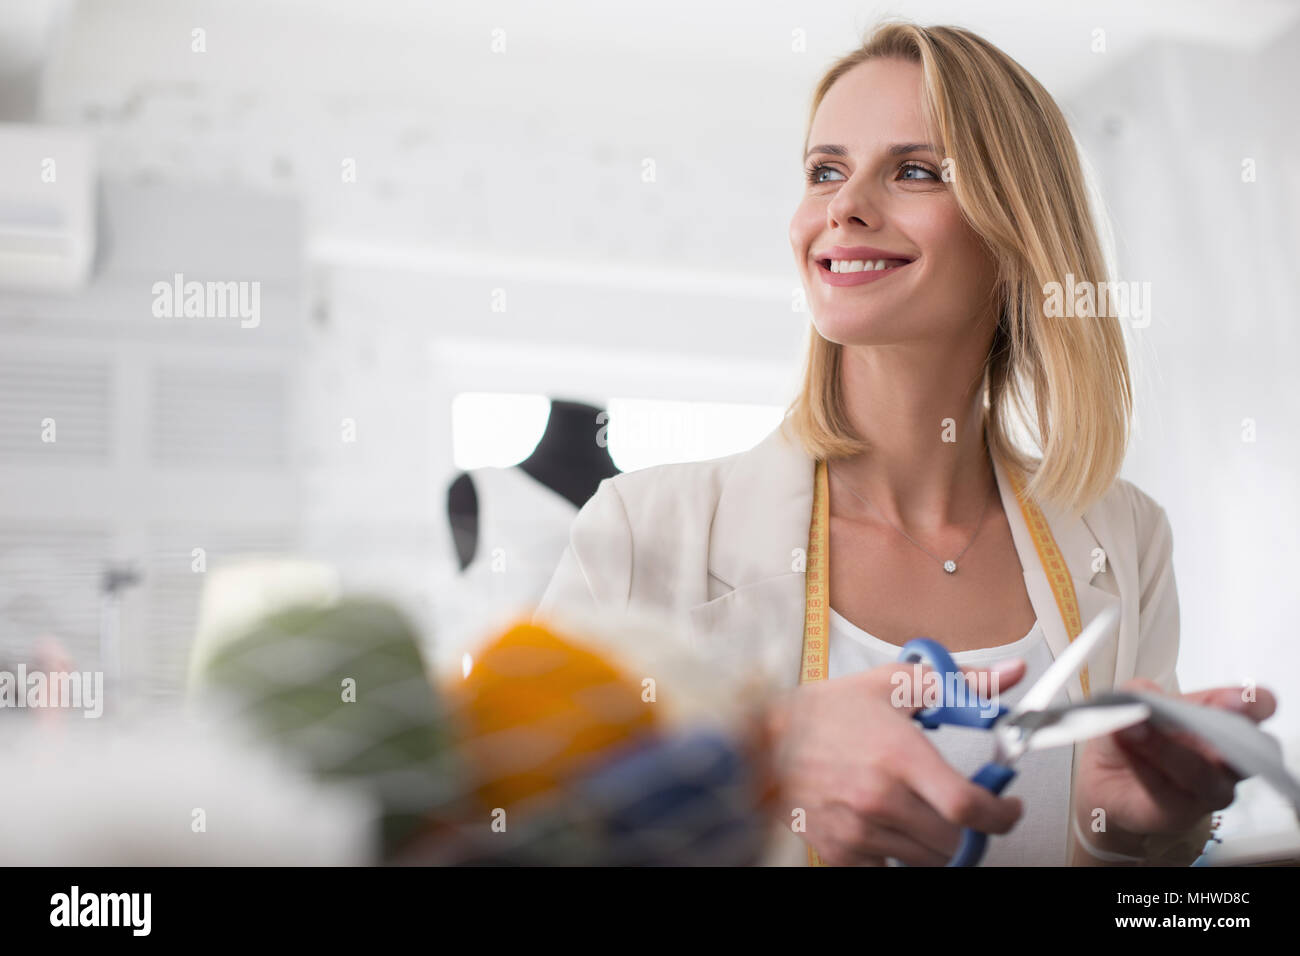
(951, 564)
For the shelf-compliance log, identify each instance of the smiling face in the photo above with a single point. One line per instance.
(875, 192)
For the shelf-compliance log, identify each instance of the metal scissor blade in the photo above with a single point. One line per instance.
(1067, 725)
(1069, 663)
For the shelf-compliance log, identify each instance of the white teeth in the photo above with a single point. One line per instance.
(858, 265)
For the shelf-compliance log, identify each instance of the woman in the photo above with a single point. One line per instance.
(943, 197)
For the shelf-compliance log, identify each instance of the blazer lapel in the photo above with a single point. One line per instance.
(756, 543)
(1084, 560)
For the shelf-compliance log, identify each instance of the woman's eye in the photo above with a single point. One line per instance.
(814, 173)
(914, 167)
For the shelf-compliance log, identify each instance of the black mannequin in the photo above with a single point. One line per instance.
(569, 460)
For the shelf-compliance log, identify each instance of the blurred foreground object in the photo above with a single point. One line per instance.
(240, 593)
(594, 741)
(174, 793)
(342, 691)
(604, 740)
(316, 736)
(538, 707)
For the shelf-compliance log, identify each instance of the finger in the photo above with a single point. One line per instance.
(873, 840)
(915, 686)
(907, 849)
(1182, 766)
(992, 681)
(907, 813)
(1159, 788)
(840, 839)
(955, 798)
(1009, 671)
(835, 833)
(1202, 747)
(1261, 707)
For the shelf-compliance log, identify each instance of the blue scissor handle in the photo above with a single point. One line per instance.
(963, 707)
(994, 778)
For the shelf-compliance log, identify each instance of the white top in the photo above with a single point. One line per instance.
(1042, 780)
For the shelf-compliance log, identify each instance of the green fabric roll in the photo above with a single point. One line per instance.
(344, 691)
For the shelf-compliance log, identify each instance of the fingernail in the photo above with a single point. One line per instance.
(1137, 733)
(1008, 665)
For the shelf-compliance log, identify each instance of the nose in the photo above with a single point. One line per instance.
(851, 206)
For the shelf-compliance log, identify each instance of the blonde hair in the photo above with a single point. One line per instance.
(1062, 382)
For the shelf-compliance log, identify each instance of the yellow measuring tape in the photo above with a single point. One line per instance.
(817, 595)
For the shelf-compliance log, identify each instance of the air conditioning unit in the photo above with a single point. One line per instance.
(47, 208)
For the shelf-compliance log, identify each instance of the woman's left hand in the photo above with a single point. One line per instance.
(1151, 781)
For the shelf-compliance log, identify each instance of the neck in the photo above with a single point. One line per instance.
(922, 415)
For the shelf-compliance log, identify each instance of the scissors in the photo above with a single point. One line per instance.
(1031, 724)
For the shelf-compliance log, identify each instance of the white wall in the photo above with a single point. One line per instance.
(1168, 131)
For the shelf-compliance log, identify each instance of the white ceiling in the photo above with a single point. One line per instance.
(341, 41)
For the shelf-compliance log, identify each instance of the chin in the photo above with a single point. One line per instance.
(858, 328)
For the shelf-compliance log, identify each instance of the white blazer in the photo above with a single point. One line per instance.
(714, 543)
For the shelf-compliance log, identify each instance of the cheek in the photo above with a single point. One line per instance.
(953, 248)
(804, 224)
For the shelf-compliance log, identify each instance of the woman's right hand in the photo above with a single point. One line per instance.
(871, 786)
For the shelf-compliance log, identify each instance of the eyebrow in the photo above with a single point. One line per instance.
(898, 149)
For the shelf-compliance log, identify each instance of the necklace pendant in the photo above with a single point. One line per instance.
(950, 566)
